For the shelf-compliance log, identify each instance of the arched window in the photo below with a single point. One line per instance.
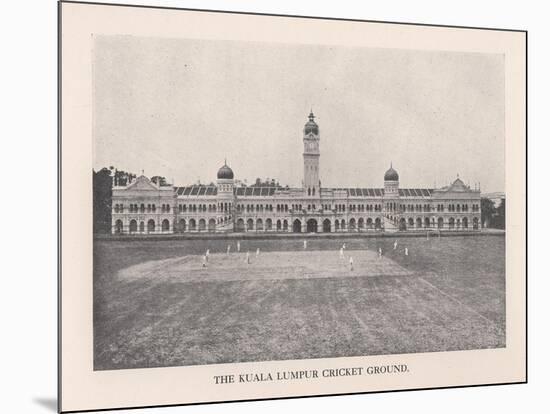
(369, 223)
(268, 224)
(142, 227)
(285, 225)
(211, 225)
(240, 225)
(202, 224)
(165, 225)
(133, 226)
(118, 227)
(151, 226)
(192, 225)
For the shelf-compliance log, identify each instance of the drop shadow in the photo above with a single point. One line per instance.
(46, 402)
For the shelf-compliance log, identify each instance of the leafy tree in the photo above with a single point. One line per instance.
(487, 211)
(102, 200)
(267, 183)
(500, 216)
(122, 178)
(158, 179)
(103, 181)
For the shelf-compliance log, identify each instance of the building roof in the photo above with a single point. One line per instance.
(225, 173)
(457, 186)
(196, 190)
(391, 175)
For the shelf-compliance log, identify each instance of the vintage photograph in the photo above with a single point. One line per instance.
(258, 201)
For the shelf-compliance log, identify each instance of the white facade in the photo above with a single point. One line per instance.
(142, 207)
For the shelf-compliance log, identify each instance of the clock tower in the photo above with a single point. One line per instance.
(311, 158)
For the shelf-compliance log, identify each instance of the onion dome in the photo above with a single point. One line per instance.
(225, 173)
(311, 126)
(391, 175)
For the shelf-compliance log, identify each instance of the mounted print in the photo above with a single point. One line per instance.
(263, 206)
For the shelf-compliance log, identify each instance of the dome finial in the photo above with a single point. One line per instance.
(225, 172)
(311, 116)
(391, 174)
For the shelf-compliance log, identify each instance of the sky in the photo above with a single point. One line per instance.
(179, 107)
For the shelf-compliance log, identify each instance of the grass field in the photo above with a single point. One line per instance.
(155, 305)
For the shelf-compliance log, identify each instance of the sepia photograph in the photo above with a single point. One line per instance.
(267, 201)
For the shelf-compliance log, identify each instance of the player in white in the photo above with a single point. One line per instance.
(228, 248)
(238, 246)
(207, 254)
(351, 263)
(395, 245)
(247, 257)
(379, 252)
(341, 252)
(204, 261)
(257, 252)
(305, 244)
(406, 251)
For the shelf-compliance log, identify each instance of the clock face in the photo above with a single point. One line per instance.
(312, 130)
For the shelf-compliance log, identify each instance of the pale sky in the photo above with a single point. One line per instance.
(177, 108)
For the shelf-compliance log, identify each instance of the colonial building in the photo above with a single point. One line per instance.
(143, 207)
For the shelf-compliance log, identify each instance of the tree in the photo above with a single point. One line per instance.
(158, 180)
(487, 211)
(122, 178)
(103, 181)
(269, 182)
(102, 200)
(500, 216)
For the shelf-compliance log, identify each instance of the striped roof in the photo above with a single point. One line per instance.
(211, 190)
(197, 190)
(415, 192)
(379, 192)
(255, 191)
